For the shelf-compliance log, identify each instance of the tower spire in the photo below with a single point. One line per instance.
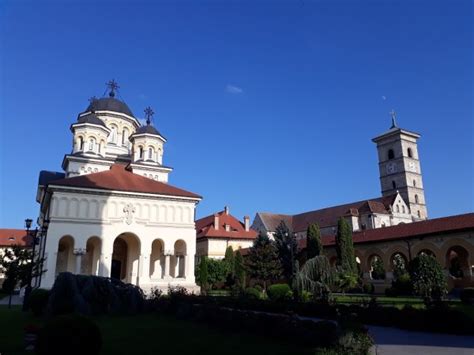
(393, 114)
(149, 114)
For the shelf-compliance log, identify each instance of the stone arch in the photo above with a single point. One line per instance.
(428, 248)
(376, 266)
(461, 243)
(178, 259)
(65, 260)
(457, 262)
(390, 253)
(91, 260)
(125, 258)
(157, 259)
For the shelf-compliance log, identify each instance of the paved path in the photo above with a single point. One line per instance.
(16, 300)
(393, 341)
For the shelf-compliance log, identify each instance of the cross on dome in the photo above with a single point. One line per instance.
(149, 114)
(113, 86)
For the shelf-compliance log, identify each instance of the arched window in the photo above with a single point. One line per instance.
(141, 153)
(416, 198)
(414, 183)
(403, 209)
(81, 143)
(150, 153)
(410, 153)
(398, 209)
(394, 184)
(113, 134)
(91, 144)
(125, 137)
(391, 154)
(419, 214)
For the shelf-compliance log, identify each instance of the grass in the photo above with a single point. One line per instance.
(151, 334)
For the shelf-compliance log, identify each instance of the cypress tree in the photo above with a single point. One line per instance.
(203, 275)
(229, 259)
(314, 247)
(287, 251)
(345, 247)
(239, 269)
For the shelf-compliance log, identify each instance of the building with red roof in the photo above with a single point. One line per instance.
(216, 232)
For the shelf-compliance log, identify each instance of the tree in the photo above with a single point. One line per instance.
(216, 271)
(239, 269)
(287, 251)
(230, 265)
(263, 263)
(378, 270)
(345, 247)
(316, 277)
(202, 275)
(314, 247)
(18, 266)
(427, 277)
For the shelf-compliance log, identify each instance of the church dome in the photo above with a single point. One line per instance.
(109, 104)
(148, 129)
(92, 119)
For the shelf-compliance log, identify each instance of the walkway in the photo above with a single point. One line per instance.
(16, 300)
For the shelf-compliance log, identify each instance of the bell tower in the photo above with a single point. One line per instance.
(399, 166)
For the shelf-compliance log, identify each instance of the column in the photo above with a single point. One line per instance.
(144, 269)
(167, 266)
(178, 266)
(105, 264)
(79, 252)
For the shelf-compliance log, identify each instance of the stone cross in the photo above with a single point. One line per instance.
(129, 211)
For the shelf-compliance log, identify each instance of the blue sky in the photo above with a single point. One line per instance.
(267, 105)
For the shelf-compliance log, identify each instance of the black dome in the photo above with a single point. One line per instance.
(148, 129)
(109, 104)
(91, 118)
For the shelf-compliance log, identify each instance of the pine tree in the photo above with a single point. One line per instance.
(345, 247)
(262, 262)
(314, 247)
(239, 269)
(287, 251)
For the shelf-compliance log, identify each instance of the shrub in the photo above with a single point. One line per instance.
(258, 287)
(402, 286)
(69, 334)
(252, 293)
(38, 301)
(467, 295)
(305, 296)
(427, 277)
(354, 343)
(368, 288)
(279, 292)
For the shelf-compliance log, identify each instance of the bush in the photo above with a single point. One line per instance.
(69, 334)
(467, 295)
(258, 287)
(427, 277)
(279, 292)
(252, 293)
(38, 301)
(354, 343)
(402, 286)
(305, 296)
(368, 288)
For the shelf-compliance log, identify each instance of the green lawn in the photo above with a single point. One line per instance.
(151, 334)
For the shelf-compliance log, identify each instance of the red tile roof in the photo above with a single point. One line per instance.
(118, 178)
(205, 228)
(401, 231)
(9, 237)
(328, 217)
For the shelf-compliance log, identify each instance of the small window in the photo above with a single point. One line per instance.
(403, 209)
(416, 198)
(91, 144)
(414, 183)
(391, 154)
(410, 153)
(113, 134)
(398, 209)
(150, 153)
(394, 185)
(141, 153)
(419, 214)
(124, 136)
(81, 143)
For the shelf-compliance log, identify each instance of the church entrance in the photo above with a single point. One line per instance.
(125, 257)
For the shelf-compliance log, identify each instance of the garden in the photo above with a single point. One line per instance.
(263, 302)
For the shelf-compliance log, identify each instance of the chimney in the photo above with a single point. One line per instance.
(216, 221)
(226, 210)
(247, 223)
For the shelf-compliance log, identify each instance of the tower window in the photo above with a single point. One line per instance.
(410, 153)
(414, 183)
(398, 209)
(113, 134)
(394, 185)
(419, 214)
(391, 154)
(81, 143)
(150, 153)
(403, 209)
(124, 137)
(416, 198)
(141, 153)
(91, 144)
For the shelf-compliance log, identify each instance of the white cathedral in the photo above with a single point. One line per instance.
(112, 212)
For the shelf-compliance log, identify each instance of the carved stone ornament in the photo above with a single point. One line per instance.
(129, 210)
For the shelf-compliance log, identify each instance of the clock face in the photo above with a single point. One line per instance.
(391, 168)
(412, 166)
